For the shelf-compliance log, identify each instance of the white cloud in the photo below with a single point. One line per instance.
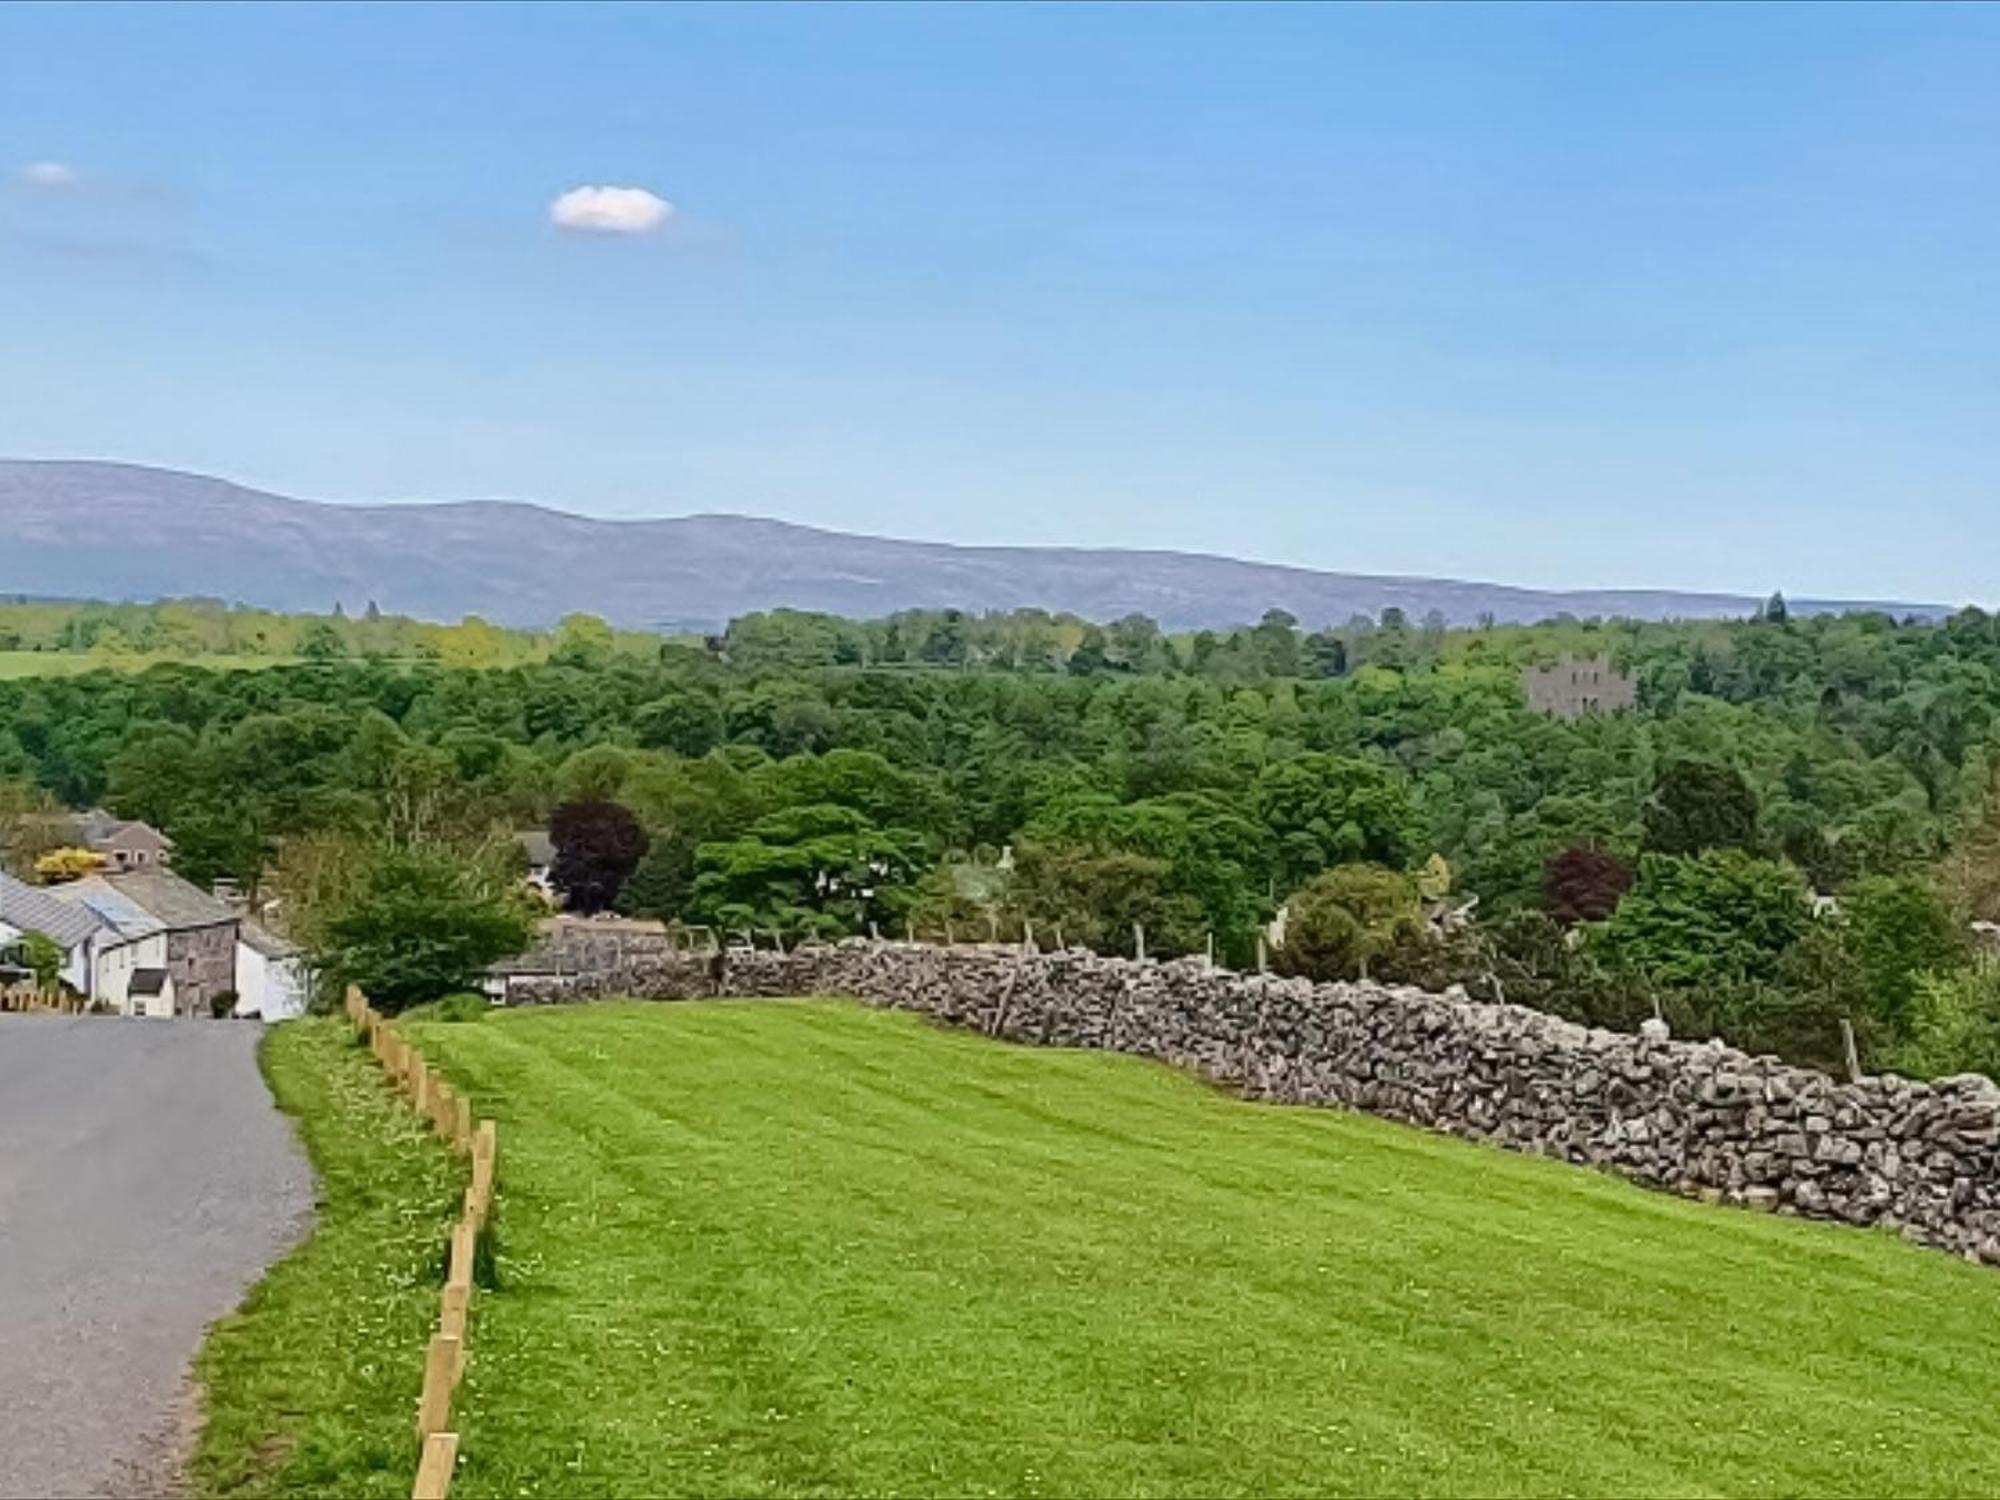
(610, 210)
(49, 174)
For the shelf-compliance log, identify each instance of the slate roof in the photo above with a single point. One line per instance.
(176, 902)
(100, 827)
(118, 912)
(34, 910)
(148, 982)
(139, 902)
(265, 941)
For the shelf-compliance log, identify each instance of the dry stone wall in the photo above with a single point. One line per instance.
(1694, 1118)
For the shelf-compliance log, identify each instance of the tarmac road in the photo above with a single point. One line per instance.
(146, 1180)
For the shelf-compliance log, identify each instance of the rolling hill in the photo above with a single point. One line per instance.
(120, 531)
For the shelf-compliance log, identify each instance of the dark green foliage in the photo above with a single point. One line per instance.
(685, 723)
(1696, 806)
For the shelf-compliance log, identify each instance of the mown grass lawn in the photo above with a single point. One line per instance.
(310, 1388)
(781, 1248)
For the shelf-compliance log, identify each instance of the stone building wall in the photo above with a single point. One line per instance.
(1694, 1118)
(1579, 685)
(202, 961)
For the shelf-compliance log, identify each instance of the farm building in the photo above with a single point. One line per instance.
(124, 843)
(161, 922)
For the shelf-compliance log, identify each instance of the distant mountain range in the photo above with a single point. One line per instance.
(119, 531)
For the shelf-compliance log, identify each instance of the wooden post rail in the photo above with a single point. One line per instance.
(450, 1116)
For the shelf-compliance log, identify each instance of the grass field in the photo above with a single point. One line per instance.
(788, 1248)
(72, 663)
(311, 1387)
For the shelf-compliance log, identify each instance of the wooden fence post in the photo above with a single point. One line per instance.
(485, 1151)
(440, 1375)
(1853, 1052)
(435, 1468)
(1139, 941)
(453, 1305)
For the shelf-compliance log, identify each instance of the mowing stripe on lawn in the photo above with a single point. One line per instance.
(781, 1248)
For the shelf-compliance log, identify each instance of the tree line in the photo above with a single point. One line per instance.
(1794, 827)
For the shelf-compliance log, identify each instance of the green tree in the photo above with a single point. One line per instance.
(418, 924)
(686, 723)
(1094, 897)
(1899, 930)
(823, 870)
(1697, 806)
(1953, 1025)
(1723, 916)
(582, 641)
(1326, 810)
(44, 958)
(322, 641)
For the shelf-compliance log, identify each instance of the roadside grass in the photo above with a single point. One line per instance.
(805, 1248)
(310, 1388)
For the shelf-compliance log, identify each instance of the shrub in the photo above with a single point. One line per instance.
(1954, 1024)
(1898, 929)
(1342, 920)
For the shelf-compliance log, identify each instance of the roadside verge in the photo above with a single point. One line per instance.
(308, 1388)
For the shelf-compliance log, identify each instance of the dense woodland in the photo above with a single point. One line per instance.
(801, 774)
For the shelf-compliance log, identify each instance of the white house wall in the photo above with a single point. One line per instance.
(272, 988)
(116, 962)
(75, 971)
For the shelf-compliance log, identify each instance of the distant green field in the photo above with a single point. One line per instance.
(803, 1248)
(70, 663)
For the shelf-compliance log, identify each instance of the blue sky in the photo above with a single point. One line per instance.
(1667, 295)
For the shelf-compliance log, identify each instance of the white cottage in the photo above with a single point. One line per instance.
(271, 980)
(78, 931)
